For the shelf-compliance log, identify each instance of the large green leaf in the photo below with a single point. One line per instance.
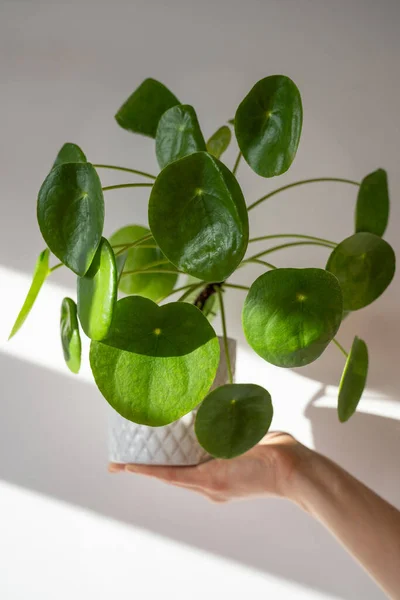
(353, 380)
(157, 363)
(70, 337)
(219, 141)
(97, 293)
(372, 209)
(70, 213)
(69, 153)
(178, 135)
(291, 315)
(364, 264)
(39, 276)
(233, 418)
(198, 217)
(150, 285)
(268, 125)
(145, 107)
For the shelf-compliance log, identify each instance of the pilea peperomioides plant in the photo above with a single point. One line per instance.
(154, 361)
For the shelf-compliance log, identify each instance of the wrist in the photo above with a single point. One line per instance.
(315, 477)
(295, 465)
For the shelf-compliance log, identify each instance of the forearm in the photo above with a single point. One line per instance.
(363, 522)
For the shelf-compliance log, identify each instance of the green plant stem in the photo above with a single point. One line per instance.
(340, 347)
(141, 245)
(225, 335)
(190, 287)
(302, 182)
(258, 261)
(57, 266)
(157, 263)
(150, 271)
(237, 162)
(289, 245)
(135, 243)
(116, 168)
(120, 186)
(236, 286)
(291, 235)
(195, 287)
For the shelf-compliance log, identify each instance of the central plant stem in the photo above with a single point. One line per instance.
(205, 294)
(209, 290)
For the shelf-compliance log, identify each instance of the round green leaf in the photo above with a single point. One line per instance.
(364, 264)
(150, 285)
(157, 363)
(70, 338)
(145, 107)
(219, 141)
(69, 153)
(291, 315)
(353, 380)
(178, 135)
(233, 418)
(39, 277)
(97, 293)
(268, 125)
(198, 217)
(70, 213)
(372, 209)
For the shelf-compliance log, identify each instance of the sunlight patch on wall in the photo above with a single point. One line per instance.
(38, 341)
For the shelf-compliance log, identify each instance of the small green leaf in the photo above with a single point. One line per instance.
(70, 337)
(219, 141)
(145, 107)
(97, 293)
(233, 418)
(150, 285)
(198, 217)
(364, 265)
(157, 363)
(70, 213)
(268, 125)
(39, 276)
(291, 315)
(353, 380)
(178, 135)
(69, 153)
(372, 209)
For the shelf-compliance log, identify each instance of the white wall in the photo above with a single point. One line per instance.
(65, 68)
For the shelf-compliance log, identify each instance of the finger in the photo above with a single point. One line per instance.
(183, 475)
(116, 467)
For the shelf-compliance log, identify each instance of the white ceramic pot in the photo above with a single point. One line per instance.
(174, 444)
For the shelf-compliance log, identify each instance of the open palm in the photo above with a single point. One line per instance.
(266, 469)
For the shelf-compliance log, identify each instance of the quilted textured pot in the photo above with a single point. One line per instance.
(174, 444)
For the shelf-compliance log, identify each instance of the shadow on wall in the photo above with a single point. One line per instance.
(365, 444)
(379, 325)
(53, 440)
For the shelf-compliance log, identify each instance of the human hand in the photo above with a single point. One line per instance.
(267, 469)
(281, 466)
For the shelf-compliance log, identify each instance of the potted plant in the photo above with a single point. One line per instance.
(155, 360)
